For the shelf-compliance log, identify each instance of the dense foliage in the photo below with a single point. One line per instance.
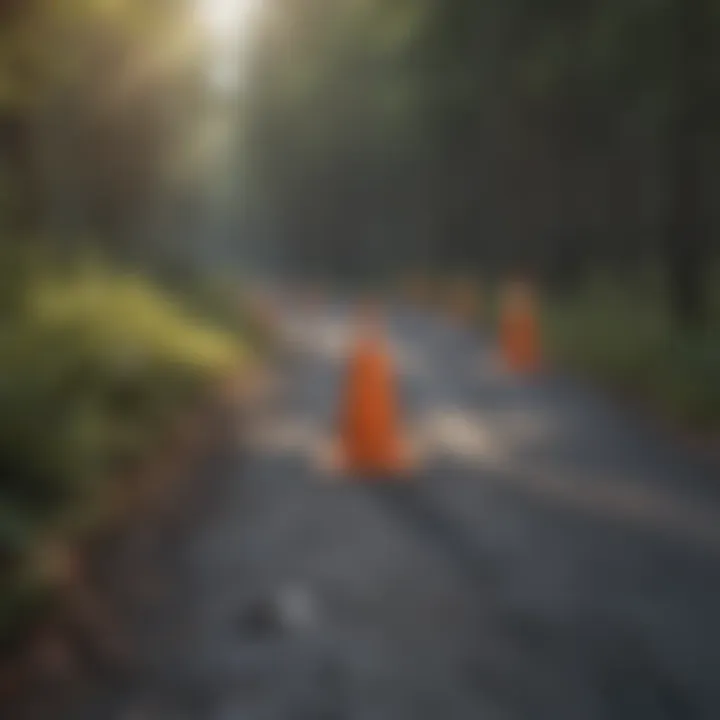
(102, 116)
(551, 137)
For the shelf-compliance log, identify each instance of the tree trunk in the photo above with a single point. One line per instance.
(16, 154)
(686, 237)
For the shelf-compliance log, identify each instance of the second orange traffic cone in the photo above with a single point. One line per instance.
(371, 438)
(519, 330)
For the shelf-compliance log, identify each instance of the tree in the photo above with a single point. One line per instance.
(97, 102)
(494, 134)
(687, 245)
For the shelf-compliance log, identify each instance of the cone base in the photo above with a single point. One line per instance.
(372, 475)
(379, 471)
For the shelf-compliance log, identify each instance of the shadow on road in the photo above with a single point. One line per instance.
(409, 505)
(531, 665)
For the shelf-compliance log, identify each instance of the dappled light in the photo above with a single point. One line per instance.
(456, 434)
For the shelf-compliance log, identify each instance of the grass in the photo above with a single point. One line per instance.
(95, 364)
(624, 338)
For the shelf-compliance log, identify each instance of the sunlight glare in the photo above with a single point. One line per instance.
(229, 24)
(227, 19)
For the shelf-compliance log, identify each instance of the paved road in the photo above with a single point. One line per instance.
(550, 561)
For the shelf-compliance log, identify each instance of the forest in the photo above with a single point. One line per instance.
(356, 141)
(575, 143)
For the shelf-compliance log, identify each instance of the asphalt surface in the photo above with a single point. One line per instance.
(551, 559)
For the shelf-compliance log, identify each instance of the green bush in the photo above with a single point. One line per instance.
(94, 363)
(624, 337)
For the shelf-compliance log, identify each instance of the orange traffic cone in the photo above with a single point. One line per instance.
(519, 330)
(371, 440)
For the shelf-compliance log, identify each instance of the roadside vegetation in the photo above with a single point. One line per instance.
(624, 337)
(97, 365)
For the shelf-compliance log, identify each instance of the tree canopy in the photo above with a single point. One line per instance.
(550, 136)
